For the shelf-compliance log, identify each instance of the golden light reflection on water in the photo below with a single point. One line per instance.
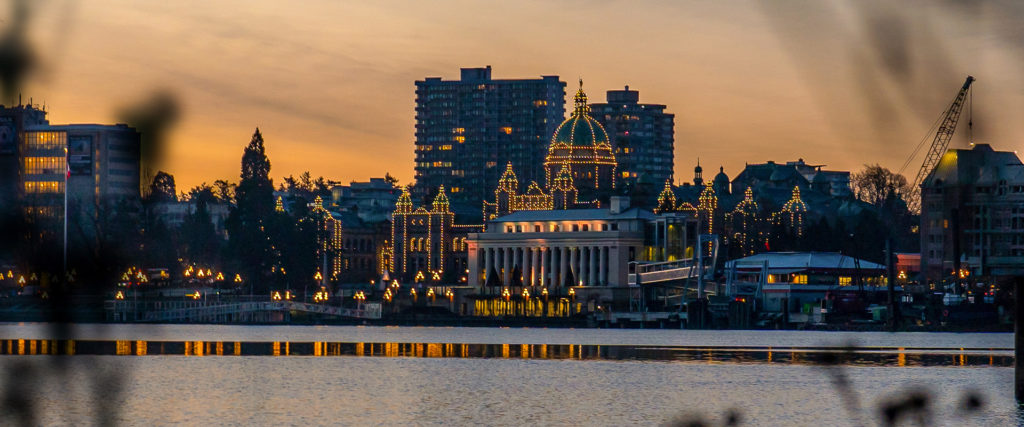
(898, 357)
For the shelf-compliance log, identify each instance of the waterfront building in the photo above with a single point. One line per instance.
(586, 250)
(796, 283)
(424, 242)
(642, 137)
(468, 129)
(972, 215)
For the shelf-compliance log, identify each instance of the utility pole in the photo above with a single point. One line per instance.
(890, 273)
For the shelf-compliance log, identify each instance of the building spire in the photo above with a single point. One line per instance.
(441, 201)
(581, 102)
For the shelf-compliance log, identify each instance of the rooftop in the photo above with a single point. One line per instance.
(575, 215)
(807, 261)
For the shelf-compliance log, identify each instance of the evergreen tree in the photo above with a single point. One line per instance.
(202, 244)
(248, 222)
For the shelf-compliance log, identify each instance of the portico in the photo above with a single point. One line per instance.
(559, 248)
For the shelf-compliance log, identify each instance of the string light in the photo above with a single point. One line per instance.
(794, 211)
(744, 222)
(707, 204)
(596, 153)
(667, 199)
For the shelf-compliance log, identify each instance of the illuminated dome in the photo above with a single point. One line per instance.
(580, 129)
(582, 143)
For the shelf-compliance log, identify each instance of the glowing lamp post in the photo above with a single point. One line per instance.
(359, 297)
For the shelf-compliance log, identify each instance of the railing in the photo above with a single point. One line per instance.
(662, 271)
(367, 311)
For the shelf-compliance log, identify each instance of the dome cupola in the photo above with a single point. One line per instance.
(582, 143)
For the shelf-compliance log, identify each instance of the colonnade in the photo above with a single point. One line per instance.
(544, 266)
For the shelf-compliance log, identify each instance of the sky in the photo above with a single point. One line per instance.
(330, 83)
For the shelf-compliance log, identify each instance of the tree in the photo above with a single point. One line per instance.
(162, 189)
(248, 222)
(877, 185)
(391, 179)
(892, 196)
(202, 244)
(224, 190)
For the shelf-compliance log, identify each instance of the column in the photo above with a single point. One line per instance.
(552, 266)
(488, 262)
(535, 253)
(563, 264)
(525, 265)
(474, 267)
(585, 264)
(506, 265)
(595, 256)
(602, 266)
(545, 268)
(575, 266)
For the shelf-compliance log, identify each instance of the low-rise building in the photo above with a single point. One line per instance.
(798, 282)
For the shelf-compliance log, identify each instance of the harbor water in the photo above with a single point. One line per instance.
(340, 375)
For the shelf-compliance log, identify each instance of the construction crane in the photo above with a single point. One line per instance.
(940, 143)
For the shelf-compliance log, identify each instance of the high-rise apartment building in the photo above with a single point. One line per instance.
(468, 130)
(641, 135)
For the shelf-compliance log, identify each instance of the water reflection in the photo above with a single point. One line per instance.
(866, 356)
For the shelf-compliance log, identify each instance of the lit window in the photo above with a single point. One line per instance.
(507, 130)
(845, 280)
(800, 279)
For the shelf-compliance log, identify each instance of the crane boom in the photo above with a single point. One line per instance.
(943, 135)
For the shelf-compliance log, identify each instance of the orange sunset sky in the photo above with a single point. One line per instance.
(331, 83)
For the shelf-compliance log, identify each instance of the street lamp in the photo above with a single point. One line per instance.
(359, 297)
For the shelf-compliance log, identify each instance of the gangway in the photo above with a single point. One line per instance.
(672, 278)
(682, 270)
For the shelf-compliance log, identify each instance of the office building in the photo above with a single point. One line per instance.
(99, 164)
